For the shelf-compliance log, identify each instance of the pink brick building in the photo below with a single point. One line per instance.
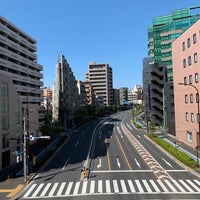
(186, 70)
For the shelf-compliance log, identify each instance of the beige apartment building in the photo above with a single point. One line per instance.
(186, 71)
(100, 76)
(65, 93)
(18, 65)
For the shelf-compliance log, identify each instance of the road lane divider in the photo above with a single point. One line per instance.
(122, 150)
(156, 168)
(108, 154)
(99, 164)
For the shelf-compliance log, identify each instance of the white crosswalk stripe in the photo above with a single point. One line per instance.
(115, 185)
(92, 187)
(45, 189)
(89, 187)
(69, 188)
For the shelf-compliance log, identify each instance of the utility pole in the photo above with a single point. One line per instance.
(164, 113)
(25, 167)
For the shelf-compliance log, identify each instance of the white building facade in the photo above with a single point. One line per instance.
(18, 62)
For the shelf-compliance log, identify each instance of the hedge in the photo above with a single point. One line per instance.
(181, 156)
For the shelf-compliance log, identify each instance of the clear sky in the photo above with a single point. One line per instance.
(104, 31)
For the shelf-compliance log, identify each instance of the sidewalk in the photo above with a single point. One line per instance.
(191, 152)
(11, 187)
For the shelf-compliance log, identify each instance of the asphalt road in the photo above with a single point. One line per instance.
(120, 162)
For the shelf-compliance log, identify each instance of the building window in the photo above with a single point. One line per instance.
(186, 98)
(190, 79)
(192, 117)
(5, 141)
(189, 60)
(195, 58)
(188, 42)
(197, 97)
(183, 46)
(194, 38)
(184, 63)
(4, 89)
(189, 136)
(5, 122)
(191, 98)
(186, 116)
(5, 106)
(185, 80)
(196, 77)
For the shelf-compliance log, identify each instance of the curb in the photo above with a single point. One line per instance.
(173, 158)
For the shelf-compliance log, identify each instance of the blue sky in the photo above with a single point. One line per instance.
(104, 31)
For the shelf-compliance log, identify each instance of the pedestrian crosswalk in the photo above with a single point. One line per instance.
(95, 187)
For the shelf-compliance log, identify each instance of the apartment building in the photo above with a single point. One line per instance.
(100, 76)
(185, 57)
(116, 99)
(18, 62)
(89, 94)
(82, 93)
(123, 95)
(164, 30)
(154, 78)
(47, 102)
(65, 93)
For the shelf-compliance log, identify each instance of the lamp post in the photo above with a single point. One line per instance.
(198, 117)
(24, 151)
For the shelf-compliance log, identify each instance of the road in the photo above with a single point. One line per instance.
(120, 163)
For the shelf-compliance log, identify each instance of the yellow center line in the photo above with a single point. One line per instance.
(108, 154)
(122, 150)
(5, 190)
(14, 191)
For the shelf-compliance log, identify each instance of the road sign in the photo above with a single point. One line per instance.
(32, 136)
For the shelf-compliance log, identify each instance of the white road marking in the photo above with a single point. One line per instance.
(167, 162)
(66, 163)
(53, 189)
(162, 185)
(146, 186)
(154, 186)
(76, 143)
(124, 189)
(38, 190)
(108, 190)
(61, 189)
(45, 189)
(115, 185)
(100, 186)
(178, 185)
(186, 186)
(69, 187)
(108, 187)
(170, 185)
(139, 186)
(130, 183)
(99, 165)
(138, 164)
(84, 188)
(92, 186)
(76, 188)
(193, 185)
(118, 163)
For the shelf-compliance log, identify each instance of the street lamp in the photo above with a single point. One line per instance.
(24, 150)
(198, 117)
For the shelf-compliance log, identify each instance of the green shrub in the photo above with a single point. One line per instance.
(181, 156)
